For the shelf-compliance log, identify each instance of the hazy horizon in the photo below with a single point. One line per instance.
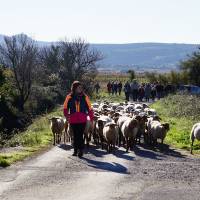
(108, 43)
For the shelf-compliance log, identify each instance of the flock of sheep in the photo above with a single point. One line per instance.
(119, 123)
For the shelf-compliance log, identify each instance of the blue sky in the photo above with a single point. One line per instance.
(103, 21)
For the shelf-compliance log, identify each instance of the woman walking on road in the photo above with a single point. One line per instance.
(77, 107)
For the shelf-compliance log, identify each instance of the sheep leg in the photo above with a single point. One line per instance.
(109, 147)
(127, 144)
(54, 139)
(120, 138)
(191, 148)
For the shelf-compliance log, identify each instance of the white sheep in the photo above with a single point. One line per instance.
(57, 127)
(150, 111)
(110, 135)
(158, 131)
(195, 134)
(100, 123)
(148, 136)
(120, 122)
(129, 131)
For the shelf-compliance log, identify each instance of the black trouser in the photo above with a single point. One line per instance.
(127, 96)
(135, 95)
(78, 131)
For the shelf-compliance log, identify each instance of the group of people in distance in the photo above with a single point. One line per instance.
(137, 91)
(140, 92)
(114, 87)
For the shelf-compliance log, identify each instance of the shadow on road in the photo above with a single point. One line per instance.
(112, 167)
(65, 147)
(96, 151)
(122, 154)
(167, 150)
(156, 152)
(147, 153)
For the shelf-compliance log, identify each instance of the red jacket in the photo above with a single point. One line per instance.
(77, 108)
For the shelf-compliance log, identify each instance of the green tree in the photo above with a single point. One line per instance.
(132, 75)
(151, 77)
(192, 68)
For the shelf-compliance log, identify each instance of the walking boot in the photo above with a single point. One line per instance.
(80, 153)
(75, 153)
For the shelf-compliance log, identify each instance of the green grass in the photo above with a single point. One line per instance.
(37, 137)
(181, 116)
(103, 95)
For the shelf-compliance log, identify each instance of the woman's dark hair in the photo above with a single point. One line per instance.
(75, 84)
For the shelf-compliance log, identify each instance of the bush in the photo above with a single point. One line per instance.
(183, 105)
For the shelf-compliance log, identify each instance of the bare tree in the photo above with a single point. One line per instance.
(69, 61)
(19, 53)
(77, 61)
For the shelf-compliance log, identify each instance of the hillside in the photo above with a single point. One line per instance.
(144, 56)
(140, 56)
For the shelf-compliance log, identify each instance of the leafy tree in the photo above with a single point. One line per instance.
(131, 74)
(151, 77)
(192, 68)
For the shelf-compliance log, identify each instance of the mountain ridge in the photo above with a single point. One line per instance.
(147, 56)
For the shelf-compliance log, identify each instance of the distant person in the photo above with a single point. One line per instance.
(141, 92)
(127, 90)
(134, 89)
(112, 87)
(115, 87)
(159, 89)
(147, 92)
(119, 87)
(97, 87)
(153, 92)
(76, 109)
(109, 87)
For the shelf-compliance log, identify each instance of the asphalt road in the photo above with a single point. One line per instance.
(147, 174)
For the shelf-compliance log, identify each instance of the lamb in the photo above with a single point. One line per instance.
(57, 127)
(195, 134)
(159, 131)
(129, 131)
(110, 135)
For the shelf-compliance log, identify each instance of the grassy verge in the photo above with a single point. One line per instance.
(36, 138)
(181, 111)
